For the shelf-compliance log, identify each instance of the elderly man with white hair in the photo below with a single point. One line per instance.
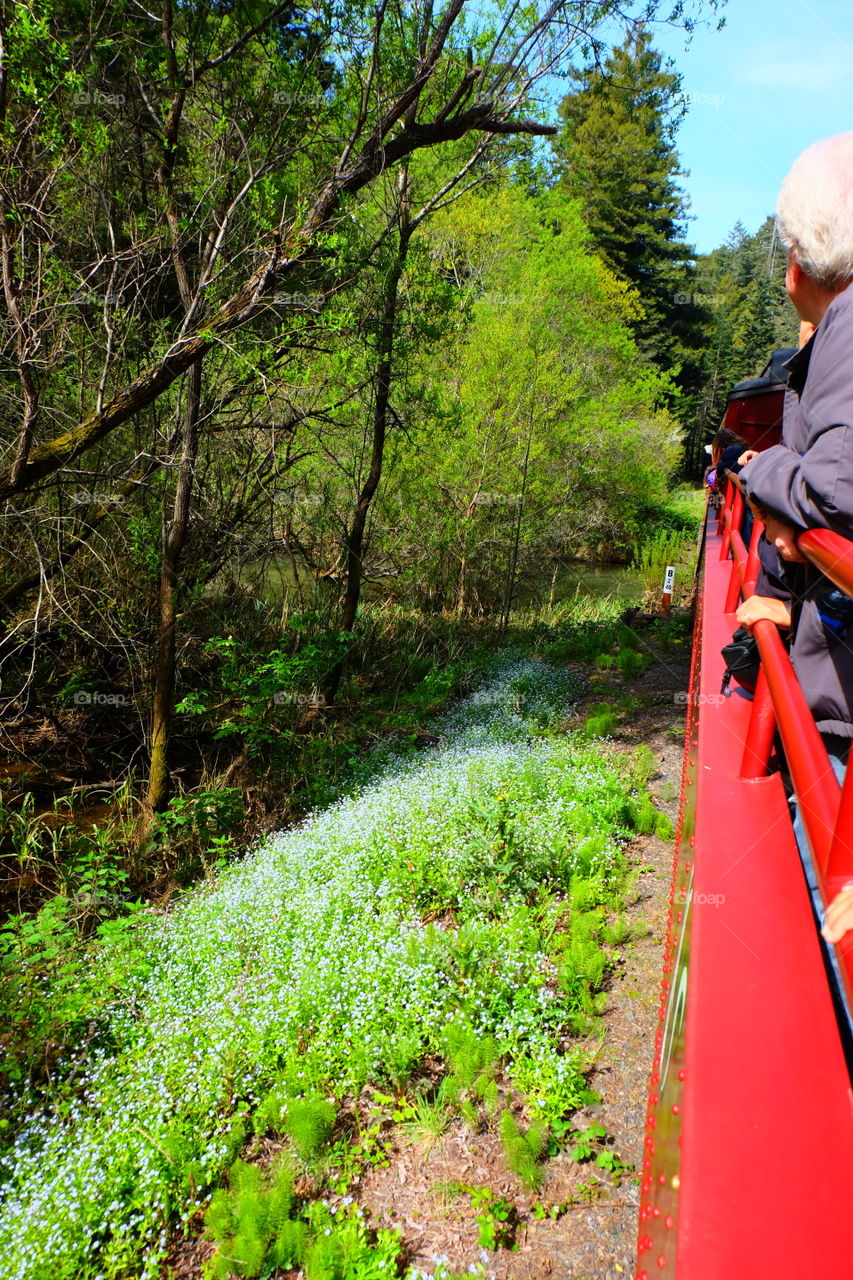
(807, 481)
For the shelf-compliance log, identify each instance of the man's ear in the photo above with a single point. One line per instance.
(793, 273)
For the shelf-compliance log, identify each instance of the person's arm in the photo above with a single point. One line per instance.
(814, 491)
(839, 915)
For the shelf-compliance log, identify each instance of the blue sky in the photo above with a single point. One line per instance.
(777, 77)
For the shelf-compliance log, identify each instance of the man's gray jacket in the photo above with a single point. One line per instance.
(807, 481)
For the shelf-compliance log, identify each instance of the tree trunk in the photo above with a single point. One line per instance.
(174, 539)
(516, 539)
(354, 567)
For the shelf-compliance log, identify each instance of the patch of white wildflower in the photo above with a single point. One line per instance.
(313, 958)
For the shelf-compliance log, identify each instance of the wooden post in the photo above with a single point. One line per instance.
(668, 581)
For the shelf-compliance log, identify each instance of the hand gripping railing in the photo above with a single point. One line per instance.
(826, 807)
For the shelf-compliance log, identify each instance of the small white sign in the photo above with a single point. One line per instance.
(668, 579)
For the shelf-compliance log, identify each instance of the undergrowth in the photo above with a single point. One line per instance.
(453, 907)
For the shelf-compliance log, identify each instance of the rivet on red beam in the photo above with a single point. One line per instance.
(662, 1178)
(682, 1073)
(661, 1261)
(669, 1222)
(675, 1108)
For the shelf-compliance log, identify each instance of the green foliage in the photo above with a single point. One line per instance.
(603, 720)
(496, 1218)
(429, 1122)
(239, 992)
(584, 1141)
(742, 289)
(524, 1151)
(647, 820)
(262, 693)
(200, 820)
(590, 1142)
(258, 1226)
(644, 765)
(617, 156)
(631, 663)
(474, 1061)
(309, 1121)
(251, 1222)
(658, 549)
(53, 999)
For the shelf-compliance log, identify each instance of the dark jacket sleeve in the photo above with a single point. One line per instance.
(808, 480)
(810, 492)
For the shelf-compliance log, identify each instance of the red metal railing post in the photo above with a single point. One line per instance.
(732, 516)
(725, 493)
(738, 573)
(815, 783)
(759, 736)
(753, 563)
(833, 556)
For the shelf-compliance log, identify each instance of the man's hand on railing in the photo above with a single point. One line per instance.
(839, 915)
(747, 456)
(758, 607)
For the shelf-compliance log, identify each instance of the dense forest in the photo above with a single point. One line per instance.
(308, 304)
(331, 333)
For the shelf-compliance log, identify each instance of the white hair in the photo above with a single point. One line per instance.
(814, 212)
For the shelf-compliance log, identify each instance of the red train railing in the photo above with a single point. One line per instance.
(749, 1127)
(779, 703)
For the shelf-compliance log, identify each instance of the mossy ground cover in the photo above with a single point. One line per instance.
(455, 899)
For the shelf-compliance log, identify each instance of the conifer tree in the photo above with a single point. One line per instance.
(741, 286)
(616, 154)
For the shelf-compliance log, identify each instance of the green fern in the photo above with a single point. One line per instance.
(524, 1151)
(271, 1110)
(631, 663)
(309, 1121)
(474, 1060)
(250, 1221)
